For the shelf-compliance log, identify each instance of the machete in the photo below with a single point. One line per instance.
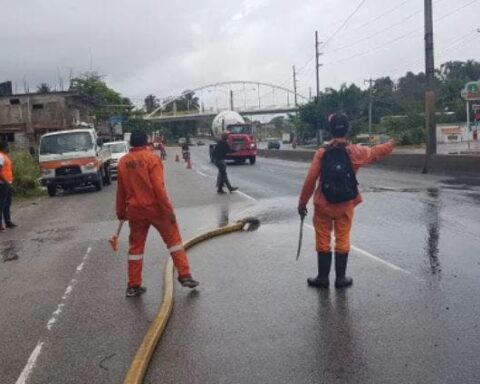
(300, 237)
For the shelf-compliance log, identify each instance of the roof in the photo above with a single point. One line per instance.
(87, 130)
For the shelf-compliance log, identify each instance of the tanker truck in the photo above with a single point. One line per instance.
(241, 138)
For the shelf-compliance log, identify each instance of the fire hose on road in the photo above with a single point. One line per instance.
(144, 353)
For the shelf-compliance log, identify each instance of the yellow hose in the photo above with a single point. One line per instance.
(142, 358)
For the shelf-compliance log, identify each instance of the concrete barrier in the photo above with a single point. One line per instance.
(438, 163)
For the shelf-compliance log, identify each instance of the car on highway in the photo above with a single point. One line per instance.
(273, 144)
(118, 150)
(181, 141)
(200, 142)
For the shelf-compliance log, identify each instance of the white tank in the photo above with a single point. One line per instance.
(223, 120)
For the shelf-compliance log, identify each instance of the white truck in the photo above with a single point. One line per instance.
(241, 138)
(73, 158)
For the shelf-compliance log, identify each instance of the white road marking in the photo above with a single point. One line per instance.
(376, 258)
(27, 370)
(201, 173)
(245, 195)
(32, 360)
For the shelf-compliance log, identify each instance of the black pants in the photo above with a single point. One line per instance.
(5, 203)
(222, 177)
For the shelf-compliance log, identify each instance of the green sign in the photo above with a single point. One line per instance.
(471, 92)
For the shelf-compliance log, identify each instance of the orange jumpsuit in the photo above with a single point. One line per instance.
(337, 217)
(142, 200)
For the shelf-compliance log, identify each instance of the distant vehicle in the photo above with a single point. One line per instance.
(287, 138)
(118, 150)
(181, 141)
(73, 158)
(200, 142)
(273, 144)
(241, 138)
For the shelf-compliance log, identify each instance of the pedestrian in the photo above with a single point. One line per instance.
(142, 200)
(336, 196)
(6, 192)
(219, 153)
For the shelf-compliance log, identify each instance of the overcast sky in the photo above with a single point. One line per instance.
(163, 47)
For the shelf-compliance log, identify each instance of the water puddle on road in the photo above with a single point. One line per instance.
(9, 250)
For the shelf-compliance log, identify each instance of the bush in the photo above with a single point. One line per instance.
(26, 172)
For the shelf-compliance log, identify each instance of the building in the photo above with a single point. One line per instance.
(25, 117)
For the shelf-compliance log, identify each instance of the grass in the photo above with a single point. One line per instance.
(26, 186)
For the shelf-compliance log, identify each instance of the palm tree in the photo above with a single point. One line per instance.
(43, 88)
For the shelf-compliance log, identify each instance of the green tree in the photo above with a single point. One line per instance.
(151, 103)
(103, 100)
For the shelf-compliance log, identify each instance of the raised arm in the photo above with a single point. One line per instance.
(362, 156)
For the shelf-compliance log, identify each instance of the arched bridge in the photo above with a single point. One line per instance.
(245, 97)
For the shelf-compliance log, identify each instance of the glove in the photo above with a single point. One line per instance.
(302, 211)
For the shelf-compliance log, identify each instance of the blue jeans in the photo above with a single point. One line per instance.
(5, 203)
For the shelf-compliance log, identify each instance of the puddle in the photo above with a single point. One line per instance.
(9, 251)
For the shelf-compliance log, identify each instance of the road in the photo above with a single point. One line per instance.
(411, 316)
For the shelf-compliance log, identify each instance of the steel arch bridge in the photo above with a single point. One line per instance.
(243, 96)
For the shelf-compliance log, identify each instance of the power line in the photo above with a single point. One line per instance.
(344, 23)
(362, 2)
(388, 43)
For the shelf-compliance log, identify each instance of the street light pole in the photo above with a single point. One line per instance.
(430, 125)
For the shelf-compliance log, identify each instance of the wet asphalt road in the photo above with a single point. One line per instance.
(411, 317)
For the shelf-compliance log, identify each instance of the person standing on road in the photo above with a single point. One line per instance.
(6, 181)
(142, 200)
(219, 154)
(335, 166)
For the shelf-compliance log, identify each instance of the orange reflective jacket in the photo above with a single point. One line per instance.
(141, 189)
(7, 169)
(360, 157)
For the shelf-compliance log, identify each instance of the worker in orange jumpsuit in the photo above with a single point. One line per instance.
(335, 217)
(142, 200)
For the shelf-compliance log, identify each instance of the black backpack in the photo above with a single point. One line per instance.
(338, 181)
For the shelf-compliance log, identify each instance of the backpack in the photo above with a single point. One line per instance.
(337, 178)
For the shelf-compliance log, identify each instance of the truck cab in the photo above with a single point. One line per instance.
(241, 138)
(73, 158)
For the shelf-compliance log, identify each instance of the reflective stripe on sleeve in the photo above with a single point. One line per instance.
(175, 248)
(135, 257)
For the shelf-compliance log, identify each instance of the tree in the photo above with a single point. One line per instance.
(151, 103)
(95, 93)
(43, 88)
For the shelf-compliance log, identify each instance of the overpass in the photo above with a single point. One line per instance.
(248, 98)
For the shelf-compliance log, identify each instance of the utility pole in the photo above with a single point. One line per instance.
(370, 107)
(430, 124)
(317, 66)
(295, 85)
(231, 100)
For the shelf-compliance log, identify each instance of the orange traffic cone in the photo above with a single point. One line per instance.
(189, 163)
(177, 158)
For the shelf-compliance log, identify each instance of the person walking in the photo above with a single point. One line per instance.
(142, 200)
(334, 166)
(219, 153)
(6, 192)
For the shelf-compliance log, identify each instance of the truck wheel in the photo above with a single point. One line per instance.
(52, 190)
(108, 178)
(99, 183)
(252, 160)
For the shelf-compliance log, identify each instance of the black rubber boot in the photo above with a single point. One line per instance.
(341, 281)
(324, 264)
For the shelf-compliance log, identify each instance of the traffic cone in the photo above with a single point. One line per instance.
(177, 158)
(189, 163)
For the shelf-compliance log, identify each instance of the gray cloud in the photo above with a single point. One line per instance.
(163, 47)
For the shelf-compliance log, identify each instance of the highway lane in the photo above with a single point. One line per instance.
(412, 315)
